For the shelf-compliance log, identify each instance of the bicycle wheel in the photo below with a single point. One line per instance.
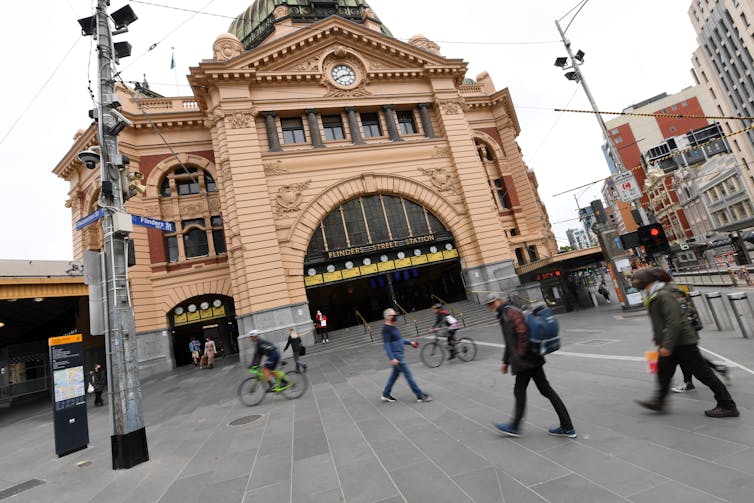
(466, 349)
(297, 387)
(432, 354)
(251, 391)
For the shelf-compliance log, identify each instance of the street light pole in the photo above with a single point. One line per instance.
(128, 435)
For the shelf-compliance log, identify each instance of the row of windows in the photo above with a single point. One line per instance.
(332, 125)
(372, 219)
(186, 181)
(196, 237)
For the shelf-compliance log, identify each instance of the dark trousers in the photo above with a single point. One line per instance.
(687, 373)
(519, 391)
(690, 358)
(98, 398)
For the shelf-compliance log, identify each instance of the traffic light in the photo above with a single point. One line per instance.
(653, 238)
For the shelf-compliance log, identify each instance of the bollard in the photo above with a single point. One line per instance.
(739, 302)
(701, 306)
(719, 313)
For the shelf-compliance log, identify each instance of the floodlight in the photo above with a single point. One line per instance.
(580, 56)
(561, 62)
(88, 26)
(122, 49)
(123, 17)
(573, 76)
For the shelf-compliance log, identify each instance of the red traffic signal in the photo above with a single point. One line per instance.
(653, 238)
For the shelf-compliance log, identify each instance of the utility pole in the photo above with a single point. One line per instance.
(128, 435)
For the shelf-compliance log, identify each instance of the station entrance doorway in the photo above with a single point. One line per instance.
(380, 251)
(200, 317)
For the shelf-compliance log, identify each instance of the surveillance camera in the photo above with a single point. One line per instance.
(89, 158)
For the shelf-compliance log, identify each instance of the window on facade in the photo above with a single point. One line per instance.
(334, 231)
(370, 123)
(218, 235)
(187, 181)
(171, 245)
(195, 238)
(333, 126)
(485, 151)
(406, 122)
(618, 139)
(376, 217)
(417, 220)
(209, 183)
(165, 188)
(293, 130)
(520, 256)
(501, 193)
(396, 217)
(355, 223)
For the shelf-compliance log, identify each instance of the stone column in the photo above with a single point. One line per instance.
(272, 131)
(311, 117)
(353, 125)
(429, 132)
(392, 129)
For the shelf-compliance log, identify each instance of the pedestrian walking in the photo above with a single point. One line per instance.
(320, 321)
(210, 350)
(97, 377)
(677, 343)
(297, 348)
(394, 343)
(194, 347)
(602, 290)
(525, 366)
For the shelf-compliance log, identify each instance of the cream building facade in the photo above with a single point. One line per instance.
(319, 164)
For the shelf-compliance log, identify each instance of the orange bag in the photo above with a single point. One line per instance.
(652, 357)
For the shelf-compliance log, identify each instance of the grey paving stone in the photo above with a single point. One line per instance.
(277, 491)
(424, 482)
(187, 490)
(314, 475)
(673, 491)
(576, 489)
(331, 496)
(366, 481)
(270, 469)
(483, 485)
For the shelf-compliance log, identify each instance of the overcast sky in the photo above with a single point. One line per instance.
(634, 50)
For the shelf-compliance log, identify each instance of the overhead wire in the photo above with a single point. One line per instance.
(663, 115)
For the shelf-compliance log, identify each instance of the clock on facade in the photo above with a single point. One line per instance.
(343, 75)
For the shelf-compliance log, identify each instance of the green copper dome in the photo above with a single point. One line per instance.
(254, 24)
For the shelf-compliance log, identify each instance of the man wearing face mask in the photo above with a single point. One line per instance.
(394, 343)
(676, 341)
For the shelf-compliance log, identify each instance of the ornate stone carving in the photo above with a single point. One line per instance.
(274, 168)
(288, 198)
(443, 151)
(451, 107)
(214, 205)
(241, 120)
(152, 210)
(310, 65)
(440, 178)
(280, 12)
(425, 44)
(193, 210)
(226, 46)
(341, 55)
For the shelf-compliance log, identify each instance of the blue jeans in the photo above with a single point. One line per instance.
(397, 369)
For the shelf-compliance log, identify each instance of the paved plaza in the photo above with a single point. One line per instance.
(339, 442)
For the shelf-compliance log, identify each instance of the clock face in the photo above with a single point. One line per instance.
(343, 75)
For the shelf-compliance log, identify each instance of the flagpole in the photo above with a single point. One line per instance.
(175, 72)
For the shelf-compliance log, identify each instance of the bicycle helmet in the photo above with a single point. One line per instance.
(436, 305)
(253, 333)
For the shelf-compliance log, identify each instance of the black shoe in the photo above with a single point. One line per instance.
(388, 398)
(654, 405)
(722, 412)
(452, 355)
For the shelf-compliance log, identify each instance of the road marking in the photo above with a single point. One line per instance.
(623, 358)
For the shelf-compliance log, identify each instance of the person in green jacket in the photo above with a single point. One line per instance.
(676, 341)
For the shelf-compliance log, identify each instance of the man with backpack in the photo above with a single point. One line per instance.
(526, 366)
(677, 343)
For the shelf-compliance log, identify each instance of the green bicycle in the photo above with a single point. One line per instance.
(252, 390)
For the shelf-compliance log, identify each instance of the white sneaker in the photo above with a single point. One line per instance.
(684, 388)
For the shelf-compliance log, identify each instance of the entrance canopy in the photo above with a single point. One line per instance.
(564, 262)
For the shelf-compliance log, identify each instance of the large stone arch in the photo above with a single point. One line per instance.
(373, 183)
(178, 293)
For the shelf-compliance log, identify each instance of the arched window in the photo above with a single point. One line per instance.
(187, 181)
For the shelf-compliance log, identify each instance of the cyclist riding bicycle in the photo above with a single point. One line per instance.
(447, 325)
(268, 349)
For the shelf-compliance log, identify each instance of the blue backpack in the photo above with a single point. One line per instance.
(543, 331)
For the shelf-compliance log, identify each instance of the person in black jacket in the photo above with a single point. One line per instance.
(265, 348)
(526, 366)
(294, 341)
(98, 381)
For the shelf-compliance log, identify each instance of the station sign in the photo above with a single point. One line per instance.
(69, 393)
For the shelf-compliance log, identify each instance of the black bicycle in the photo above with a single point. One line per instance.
(433, 352)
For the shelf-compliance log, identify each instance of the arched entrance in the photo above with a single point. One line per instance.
(202, 316)
(376, 250)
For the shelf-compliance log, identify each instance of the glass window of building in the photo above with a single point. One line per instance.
(209, 183)
(218, 235)
(171, 245)
(502, 193)
(376, 217)
(165, 187)
(406, 122)
(334, 231)
(355, 223)
(333, 125)
(195, 238)
(396, 217)
(187, 181)
(370, 122)
(293, 130)
(417, 220)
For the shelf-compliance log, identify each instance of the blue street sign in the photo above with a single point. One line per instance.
(160, 225)
(91, 217)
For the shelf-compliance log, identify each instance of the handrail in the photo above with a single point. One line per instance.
(406, 315)
(452, 310)
(367, 326)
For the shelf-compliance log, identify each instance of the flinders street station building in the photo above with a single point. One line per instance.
(320, 164)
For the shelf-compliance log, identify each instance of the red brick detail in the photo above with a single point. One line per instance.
(494, 133)
(188, 265)
(157, 252)
(510, 187)
(681, 125)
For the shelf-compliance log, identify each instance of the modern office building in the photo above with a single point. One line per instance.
(577, 239)
(320, 164)
(724, 68)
